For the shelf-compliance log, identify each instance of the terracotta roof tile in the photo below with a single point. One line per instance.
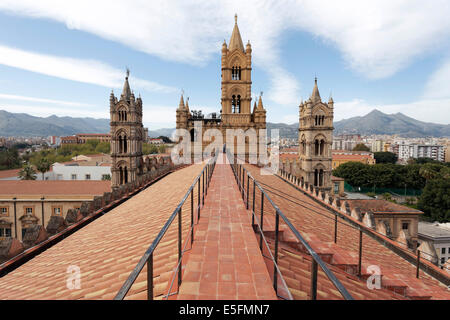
(316, 223)
(9, 173)
(107, 249)
(53, 187)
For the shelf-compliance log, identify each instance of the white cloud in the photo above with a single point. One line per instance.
(377, 38)
(87, 71)
(46, 111)
(438, 85)
(4, 96)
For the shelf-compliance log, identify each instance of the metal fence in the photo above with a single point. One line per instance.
(250, 188)
(199, 186)
(417, 259)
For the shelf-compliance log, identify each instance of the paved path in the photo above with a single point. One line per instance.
(225, 262)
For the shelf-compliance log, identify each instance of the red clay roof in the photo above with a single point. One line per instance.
(288, 156)
(380, 206)
(53, 187)
(109, 248)
(9, 173)
(352, 157)
(316, 224)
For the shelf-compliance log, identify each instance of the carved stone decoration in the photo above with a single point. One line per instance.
(56, 224)
(34, 235)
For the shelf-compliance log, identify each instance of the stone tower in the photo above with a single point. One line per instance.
(236, 80)
(127, 135)
(236, 98)
(315, 140)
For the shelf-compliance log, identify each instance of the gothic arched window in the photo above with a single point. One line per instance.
(322, 147)
(236, 73)
(238, 104)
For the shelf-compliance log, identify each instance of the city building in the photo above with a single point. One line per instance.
(26, 203)
(236, 112)
(156, 141)
(377, 146)
(399, 221)
(414, 151)
(337, 186)
(339, 157)
(438, 236)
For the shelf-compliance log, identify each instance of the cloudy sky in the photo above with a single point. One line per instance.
(65, 57)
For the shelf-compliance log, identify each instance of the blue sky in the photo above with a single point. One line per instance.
(64, 58)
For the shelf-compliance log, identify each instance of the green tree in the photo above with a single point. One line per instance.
(43, 166)
(27, 173)
(385, 157)
(355, 173)
(361, 147)
(9, 159)
(103, 147)
(435, 199)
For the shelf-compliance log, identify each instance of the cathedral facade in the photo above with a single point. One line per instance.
(127, 136)
(236, 98)
(315, 141)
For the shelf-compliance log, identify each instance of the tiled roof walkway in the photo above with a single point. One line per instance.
(316, 224)
(108, 249)
(225, 261)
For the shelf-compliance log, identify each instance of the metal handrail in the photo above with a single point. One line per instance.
(147, 258)
(316, 259)
(292, 179)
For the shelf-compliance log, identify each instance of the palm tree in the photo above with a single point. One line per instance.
(27, 173)
(43, 166)
(427, 172)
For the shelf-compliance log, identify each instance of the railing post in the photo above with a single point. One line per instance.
(150, 277)
(192, 216)
(198, 201)
(207, 178)
(262, 220)
(360, 252)
(418, 264)
(243, 184)
(313, 293)
(253, 200)
(335, 228)
(203, 188)
(275, 274)
(179, 248)
(248, 187)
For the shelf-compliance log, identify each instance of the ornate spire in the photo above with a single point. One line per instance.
(315, 96)
(181, 105)
(126, 92)
(260, 104)
(236, 40)
(187, 104)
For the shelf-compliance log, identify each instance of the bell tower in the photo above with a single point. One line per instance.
(236, 80)
(127, 134)
(315, 140)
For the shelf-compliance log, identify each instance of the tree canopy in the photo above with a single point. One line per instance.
(361, 147)
(385, 157)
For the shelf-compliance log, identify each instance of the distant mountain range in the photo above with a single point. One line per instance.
(375, 122)
(22, 124)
